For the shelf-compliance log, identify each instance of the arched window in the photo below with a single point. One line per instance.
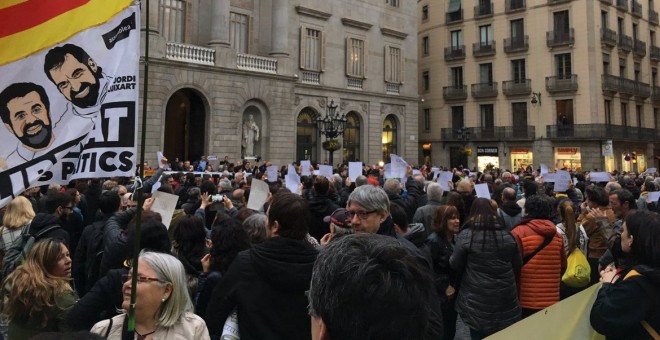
(389, 137)
(306, 135)
(351, 151)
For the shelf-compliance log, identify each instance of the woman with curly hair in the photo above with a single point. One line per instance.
(38, 294)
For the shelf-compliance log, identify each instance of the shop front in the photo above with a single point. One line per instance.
(521, 158)
(487, 157)
(568, 158)
(633, 161)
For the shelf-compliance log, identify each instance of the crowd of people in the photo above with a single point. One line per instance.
(370, 258)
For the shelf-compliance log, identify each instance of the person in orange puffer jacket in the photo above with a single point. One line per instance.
(538, 284)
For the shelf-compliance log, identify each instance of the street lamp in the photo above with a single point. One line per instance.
(331, 126)
(463, 135)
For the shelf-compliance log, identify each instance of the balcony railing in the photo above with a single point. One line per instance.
(655, 93)
(454, 17)
(601, 132)
(514, 6)
(190, 53)
(256, 63)
(354, 83)
(517, 87)
(655, 53)
(512, 45)
(636, 9)
(555, 2)
(622, 5)
(455, 53)
(642, 90)
(626, 87)
(392, 88)
(608, 2)
(610, 84)
(457, 92)
(484, 11)
(625, 43)
(564, 83)
(311, 77)
(482, 49)
(639, 48)
(493, 133)
(560, 38)
(653, 17)
(608, 37)
(484, 90)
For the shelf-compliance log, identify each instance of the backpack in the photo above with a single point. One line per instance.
(16, 254)
(94, 254)
(578, 271)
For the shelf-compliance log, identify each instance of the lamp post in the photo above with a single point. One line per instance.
(464, 136)
(331, 126)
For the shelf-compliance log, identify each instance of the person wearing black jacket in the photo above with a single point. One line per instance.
(321, 206)
(414, 191)
(58, 207)
(266, 284)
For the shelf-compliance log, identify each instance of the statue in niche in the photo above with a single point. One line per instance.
(250, 136)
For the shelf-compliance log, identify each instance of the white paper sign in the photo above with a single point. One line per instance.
(387, 171)
(436, 172)
(550, 178)
(650, 171)
(445, 178)
(600, 176)
(544, 169)
(291, 169)
(159, 155)
(164, 204)
(399, 166)
(325, 170)
(258, 195)
(292, 181)
(416, 172)
(272, 173)
(304, 168)
(230, 328)
(653, 196)
(156, 186)
(354, 170)
(482, 190)
(562, 181)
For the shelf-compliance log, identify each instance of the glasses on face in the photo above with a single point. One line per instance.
(141, 279)
(68, 207)
(360, 214)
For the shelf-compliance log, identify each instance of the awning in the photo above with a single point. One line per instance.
(454, 6)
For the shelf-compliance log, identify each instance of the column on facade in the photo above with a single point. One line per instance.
(280, 28)
(220, 23)
(153, 17)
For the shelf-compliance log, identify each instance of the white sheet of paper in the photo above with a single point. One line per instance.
(600, 176)
(482, 190)
(316, 172)
(272, 173)
(156, 185)
(650, 171)
(436, 172)
(325, 170)
(164, 205)
(354, 170)
(258, 195)
(304, 165)
(575, 180)
(159, 155)
(292, 182)
(561, 185)
(653, 196)
(444, 179)
(550, 177)
(291, 169)
(387, 171)
(399, 166)
(544, 169)
(416, 172)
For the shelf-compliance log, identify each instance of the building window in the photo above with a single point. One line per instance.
(624, 114)
(486, 73)
(606, 64)
(622, 68)
(654, 77)
(637, 67)
(519, 115)
(425, 12)
(457, 77)
(517, 31)
(311, 49)
(456, 40)
(640, 115)
(457, 119)
(306, 134)
(604, 22)
(652, 38)
(608, 112)
(562, 27)
(172, 19)
(485, 35)
(620, 26)
(393, 3)
(393, 65)
(389, 137)
(238, 32)
(427, 119)
(487, 116)
(425, 81)
(656, 118)
(563, 65)
(518, 71)
(355, 57)
(425, 46)
(351, 151)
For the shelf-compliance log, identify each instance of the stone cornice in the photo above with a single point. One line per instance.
(393, 33)
(357, 24)
(314, 13)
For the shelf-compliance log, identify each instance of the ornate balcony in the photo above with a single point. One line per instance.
(457, 92)
(454, 17)
(484, 90)
(484, 11)
(455, 53)
(639, 48)
(564, 83)
(636, 9)
(256, 63)
(601, 132)
(190, 53)
(655, 94)
(392, 88)
(642, 90)
(560, 38)
(653, 17)
(610, 84)
(311, 77)
(607, 37)
(625, 43)
(622, 5)
(354, 83)
(607, 2)
(493, 133)
(626, 87)
(512, 45)
(655, 53)
(556, 2)
(512, 6)
(483, 49)
(517, 87)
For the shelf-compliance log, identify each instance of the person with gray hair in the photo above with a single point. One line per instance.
(255, 226)
(425, 213)
(361, 180)
(163, 308)
(414, 197)
(612, 187)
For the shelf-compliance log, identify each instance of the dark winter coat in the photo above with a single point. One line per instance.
(42, 221)
(320, 206)
(425, 215)
(100, 303)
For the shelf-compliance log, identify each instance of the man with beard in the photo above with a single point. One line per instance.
(77, 77)
(58, 207)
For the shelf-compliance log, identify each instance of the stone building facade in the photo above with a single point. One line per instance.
(214, 63)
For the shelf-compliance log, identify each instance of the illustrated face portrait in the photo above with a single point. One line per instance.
(30, 121)
(78, 82)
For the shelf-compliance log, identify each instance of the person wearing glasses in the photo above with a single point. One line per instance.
(59, 206)
(163, 309)
(38, 293)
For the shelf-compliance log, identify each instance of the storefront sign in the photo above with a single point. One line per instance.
(607, 148)
(567, 151)
(487, 151)
(519, 150)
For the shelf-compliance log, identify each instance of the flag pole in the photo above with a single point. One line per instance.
(140, 188)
